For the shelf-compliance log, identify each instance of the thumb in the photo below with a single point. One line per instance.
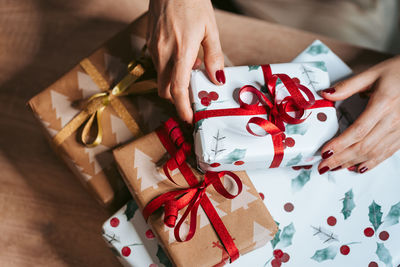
(346, 88)
(213, 57)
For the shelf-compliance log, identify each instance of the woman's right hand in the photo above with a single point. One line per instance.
(176, 30)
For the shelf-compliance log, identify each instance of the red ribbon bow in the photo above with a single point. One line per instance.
(277, 112)
(172, 138)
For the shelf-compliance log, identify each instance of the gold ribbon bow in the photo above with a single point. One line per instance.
(96, 104)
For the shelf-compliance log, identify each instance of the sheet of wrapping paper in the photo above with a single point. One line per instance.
(245, 217)
(59, 103)
(223, 143)
(327, 212)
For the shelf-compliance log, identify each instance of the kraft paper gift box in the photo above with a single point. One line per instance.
(62, 101)
(245, 217)
(223, 140)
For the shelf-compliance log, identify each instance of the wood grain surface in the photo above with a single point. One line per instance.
(46, 217)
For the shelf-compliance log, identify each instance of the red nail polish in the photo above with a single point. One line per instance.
(329, 90)
(363, 169)
(220, 76)
(323, 170)
(352, 168)
(327, 154)
(337, 168)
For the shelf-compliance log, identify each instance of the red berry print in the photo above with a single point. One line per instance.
(296, 168)
(307, 167)
(215, 164)
(369, 232)
(278, 253)
(126, 251)
(321, 116)
(239, 162)
(261, 195)
(296, 80)
(288, 207)
(150, 234)
(114, 222)
(285, 257)
(373, 264)
(276, 262)
(205, 101)
(331, 221)
(213, 95)
(384, 235)
(289, 142)
(344, 249)
(202, 94)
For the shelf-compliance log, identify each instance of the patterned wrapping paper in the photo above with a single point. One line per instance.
(57, 105)
(224, 143)
(246, 217)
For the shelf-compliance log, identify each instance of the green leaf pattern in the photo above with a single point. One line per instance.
(296, 128)
(383, 254)
(233, 156)
(294, 161)
(328, 253)
(393, 216)
(162, 257)
(131, 208)
(320, 65)
(287, 236)
(301, 179)
(317, 49)
(254, 67)
(375, 215)
(348, 204)
(276, 239)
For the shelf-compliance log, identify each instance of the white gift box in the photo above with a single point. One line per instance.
(224, 143)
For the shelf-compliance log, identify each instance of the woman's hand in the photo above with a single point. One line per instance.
(176, 30)
(375, 135)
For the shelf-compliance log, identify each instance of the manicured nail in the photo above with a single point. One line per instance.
(329, 90)
(337, 168)
(323, 170)
(220, 76)
(352, 168)
(327, 154)
(363, 169)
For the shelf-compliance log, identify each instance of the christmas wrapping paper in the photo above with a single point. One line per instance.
(57, 105)
(245, 217)
(224, 143)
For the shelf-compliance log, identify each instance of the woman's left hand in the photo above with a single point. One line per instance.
(375, 135)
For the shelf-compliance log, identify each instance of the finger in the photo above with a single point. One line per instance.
(213, 56)
(197, 64)
(349, 87)
(375, 110)
(389, 146)
(180, 82)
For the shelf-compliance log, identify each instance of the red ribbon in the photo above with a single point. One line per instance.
(172, 138)
(277, 112)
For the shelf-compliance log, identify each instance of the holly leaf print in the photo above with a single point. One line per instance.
(383, 254)
(296, 128)
(278, 82)
(131, 208)
(162, 257)
(393, 216)
(348, 204)
(294, 161)
(375, 215)
(276, 239)
(320, 65)
(328, 253)
(317, 49)
(254, 67)
(264, 89)
(233, 156)
(198, 125)
(287, 236)
(301, 179)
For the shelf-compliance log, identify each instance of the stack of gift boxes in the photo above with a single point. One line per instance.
(194, 204)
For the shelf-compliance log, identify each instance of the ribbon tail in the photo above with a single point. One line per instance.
(126, 117)
(277, 141)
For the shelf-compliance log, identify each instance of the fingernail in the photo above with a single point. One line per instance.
(329, 90)
(337, 168)
(352, 168)
(327, 154)
(323, 170)
(220, 76)
(363, 169)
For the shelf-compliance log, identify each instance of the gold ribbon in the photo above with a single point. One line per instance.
(96, 104)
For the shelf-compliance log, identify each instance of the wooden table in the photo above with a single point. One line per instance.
(46, 217)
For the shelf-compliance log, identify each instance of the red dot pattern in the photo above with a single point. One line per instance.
(373, 264)
(289, 142)
(150, 234)
(321, 116)
(276, 263)
(126, 251)
(288, 207)
(114, 222)
(285, 257)
(369, 232)
(206, 98)
(345, 250)
(239, 162)
(278, 253)
(261, 195)
(383, 235)
(215, 164)
(331, 221)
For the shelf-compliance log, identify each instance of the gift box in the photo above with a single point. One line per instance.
(231, 134)
(80, 103)
(221, 226)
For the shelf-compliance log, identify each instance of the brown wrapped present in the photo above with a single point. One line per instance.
(96, 95)
(227, 215)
